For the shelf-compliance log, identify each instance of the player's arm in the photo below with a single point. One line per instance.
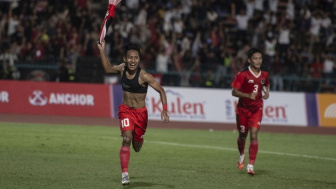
(106, 63)
(101, 43)
(237, 93)
(148, 78)
(266, 88)
(266, 92)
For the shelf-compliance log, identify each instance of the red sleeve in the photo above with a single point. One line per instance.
(267, 79)
(238, 81)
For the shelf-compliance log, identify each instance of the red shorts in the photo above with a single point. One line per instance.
(247, 119)
(134, 119)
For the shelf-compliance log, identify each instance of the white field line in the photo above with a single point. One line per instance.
(234, 149)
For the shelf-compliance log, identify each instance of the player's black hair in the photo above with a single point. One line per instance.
(131, 46)
(252, 51)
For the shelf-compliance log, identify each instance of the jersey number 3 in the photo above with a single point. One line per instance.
(255, 88)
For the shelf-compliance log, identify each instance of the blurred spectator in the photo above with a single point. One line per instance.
(237, 65)
(305, 85)
(125, 28)
(270, 19)
(326, 27)
(249, 8)
(277, 70)
(178, 26)
(242, 20)
(58, 44)
(209, 80)
(290, 10)
(293, 69)
(141, 18)
(132, 5)
(314, 30)
(167, 20)
(259, 5)
(7, 71)
(162, 61)
(329, 67)
(196, 75)
(223, 69)
(316, 68)
(62, 74)
(196, 45)
(242, 54)
(270, 49)
(40, 52)
(13, 21)
(273, 5)
(316, 71)
(283, 39)
(212, 15)
(9, 56)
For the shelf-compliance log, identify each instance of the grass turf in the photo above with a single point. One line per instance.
(70, 156)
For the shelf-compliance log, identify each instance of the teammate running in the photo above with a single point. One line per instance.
(248, 86)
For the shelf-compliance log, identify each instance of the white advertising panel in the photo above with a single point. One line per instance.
(187, 104)
(218, 105)
(285, 109)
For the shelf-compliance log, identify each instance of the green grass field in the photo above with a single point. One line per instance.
(68, 156)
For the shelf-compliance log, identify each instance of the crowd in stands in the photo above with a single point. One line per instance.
(198, 43)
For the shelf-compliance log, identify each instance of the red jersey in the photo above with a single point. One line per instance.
(247, 82)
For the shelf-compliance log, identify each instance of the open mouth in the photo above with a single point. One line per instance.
(132, 65)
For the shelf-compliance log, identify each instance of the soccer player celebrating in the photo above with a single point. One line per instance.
(251, 86)
(132, 113)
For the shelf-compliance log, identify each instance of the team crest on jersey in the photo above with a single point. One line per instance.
(251, 81)
(263, 81)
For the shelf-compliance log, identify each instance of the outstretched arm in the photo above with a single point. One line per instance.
(101, 43)
(148, 78)
(106, 63)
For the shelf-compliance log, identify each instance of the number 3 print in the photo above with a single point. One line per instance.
(255, 89)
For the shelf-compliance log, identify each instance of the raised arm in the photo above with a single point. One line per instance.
(148, 78)
(106, 63)
(101, 42)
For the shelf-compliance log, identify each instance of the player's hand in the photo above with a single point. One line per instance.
(266, 95)
(101, 45)
(164, 116)
(253, 95)
(121, 67)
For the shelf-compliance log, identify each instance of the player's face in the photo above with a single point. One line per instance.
(256, 60)
(132, 59)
